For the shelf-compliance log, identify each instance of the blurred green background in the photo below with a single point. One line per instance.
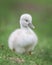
(41, 11)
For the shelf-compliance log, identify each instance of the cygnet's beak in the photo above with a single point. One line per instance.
(31, 25)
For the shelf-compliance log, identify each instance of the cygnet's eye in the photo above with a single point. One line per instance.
(26, 20)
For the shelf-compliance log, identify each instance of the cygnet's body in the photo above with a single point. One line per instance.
(24, 39)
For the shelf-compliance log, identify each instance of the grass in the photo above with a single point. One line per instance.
(42, 52)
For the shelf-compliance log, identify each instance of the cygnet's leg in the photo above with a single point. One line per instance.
(30, 52)
(30, 49)
(13, 49)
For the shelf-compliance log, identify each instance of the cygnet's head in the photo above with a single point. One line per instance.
(26, 21)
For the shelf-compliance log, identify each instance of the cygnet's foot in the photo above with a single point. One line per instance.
(30, 52)
(13, 49)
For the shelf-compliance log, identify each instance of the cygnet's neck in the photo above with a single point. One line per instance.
(27, 29)
(23, 27)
